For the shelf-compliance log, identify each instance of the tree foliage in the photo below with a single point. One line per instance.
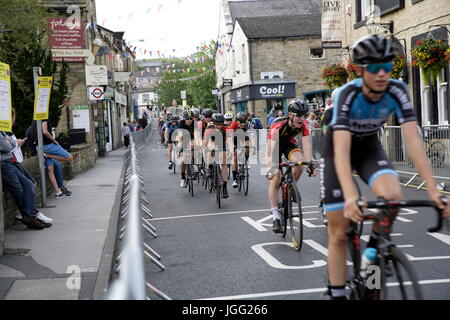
(197, 77)
(23, 41)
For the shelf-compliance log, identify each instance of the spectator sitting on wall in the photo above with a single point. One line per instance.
(19, 182)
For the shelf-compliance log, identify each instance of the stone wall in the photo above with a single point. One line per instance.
(84, 160)
(292, 57)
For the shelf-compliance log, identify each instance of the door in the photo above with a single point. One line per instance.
(107, 126)
(435, 101)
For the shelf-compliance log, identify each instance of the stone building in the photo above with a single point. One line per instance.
(407, 21)
(270, 52)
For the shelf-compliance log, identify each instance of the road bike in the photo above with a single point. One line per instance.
(290, 204)
(390, 260)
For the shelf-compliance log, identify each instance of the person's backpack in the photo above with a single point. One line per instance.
(257, 123)
(31, 142)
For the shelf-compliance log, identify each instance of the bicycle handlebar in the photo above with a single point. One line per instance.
(387, 204)
(296, 164)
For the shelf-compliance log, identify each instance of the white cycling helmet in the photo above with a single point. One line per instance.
(229, 116)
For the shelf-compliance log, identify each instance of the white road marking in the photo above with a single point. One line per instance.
(275, 263)
(317, 246)
(443, 237)
(217, 214)
(406, 246)
(308, 224)
(403, 219)
(254, 224)
(307, 291)
(411, 258)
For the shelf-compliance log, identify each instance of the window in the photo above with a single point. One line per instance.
(362, 10)
(234, 63)
(316, 53)
(415, 1)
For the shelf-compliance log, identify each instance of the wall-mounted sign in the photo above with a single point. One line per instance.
(96, 93)
(81, 117)
(120, 98)
(121, 76)
(66, 34)
(5, 98)
(241, 94)
(96, 76)
(227, 83)
(42, 97)
(273, 91)
(332, 23)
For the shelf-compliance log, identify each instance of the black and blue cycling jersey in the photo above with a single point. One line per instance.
(353, 111)
(356, 113)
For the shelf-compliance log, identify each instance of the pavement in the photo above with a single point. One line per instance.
(72, 259)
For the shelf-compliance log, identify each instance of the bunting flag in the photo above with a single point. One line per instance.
(160, 7)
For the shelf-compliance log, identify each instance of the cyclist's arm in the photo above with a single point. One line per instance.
(342, 140)
(307, 148)
(419, 157)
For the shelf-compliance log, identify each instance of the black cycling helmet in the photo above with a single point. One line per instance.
(373, 49)
(195, 112)
(242, 117)
(188, 114)
(174, 118)
(218, 118)
(207, 112)
(299, 107)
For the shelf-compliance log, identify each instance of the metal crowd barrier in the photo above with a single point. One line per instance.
(130, 282)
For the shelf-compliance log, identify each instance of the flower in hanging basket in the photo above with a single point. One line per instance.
(431, 56)
(354, 71)
(399, 64)
(335, 75)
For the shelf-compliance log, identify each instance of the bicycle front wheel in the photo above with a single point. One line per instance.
(405, 285)
(295, 216)
(245, 179)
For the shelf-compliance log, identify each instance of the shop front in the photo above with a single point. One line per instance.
(239, 99)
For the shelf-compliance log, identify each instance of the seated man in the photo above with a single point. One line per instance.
(21, 187)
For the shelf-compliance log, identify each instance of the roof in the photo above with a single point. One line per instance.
(289, 26)
(267, 8)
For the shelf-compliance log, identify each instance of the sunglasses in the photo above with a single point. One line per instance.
(301, 116)
(242, 122)
(188, 119)
(377, 67)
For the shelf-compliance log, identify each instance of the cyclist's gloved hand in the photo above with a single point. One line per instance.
(311, 169)
(271, 173)
(443, 203)
(352, 209)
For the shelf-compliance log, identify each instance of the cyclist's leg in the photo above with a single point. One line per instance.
(337, 228)
(294, 154)
(376, 170)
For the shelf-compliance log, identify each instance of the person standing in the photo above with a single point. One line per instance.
(126, 134)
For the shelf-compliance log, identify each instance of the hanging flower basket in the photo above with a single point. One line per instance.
(354, 72)
(399, 65)
(431, 56)
(335, 75)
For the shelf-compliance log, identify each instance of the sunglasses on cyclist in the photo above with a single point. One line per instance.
(188, 119)
(377, 67)
(242, 122)
(301, 116)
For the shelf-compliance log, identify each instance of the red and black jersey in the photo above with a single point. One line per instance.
(285, 132)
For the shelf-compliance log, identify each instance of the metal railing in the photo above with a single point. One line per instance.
(130, 282)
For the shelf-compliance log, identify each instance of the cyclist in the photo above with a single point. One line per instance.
(228, 119)
(217, 129)
(187, 124)
(361, 108)
(282, 136)
(170, 127)
(242, 122)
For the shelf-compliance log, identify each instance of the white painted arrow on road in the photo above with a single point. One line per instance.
(443, 237)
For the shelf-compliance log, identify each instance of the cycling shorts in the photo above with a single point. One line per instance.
(368, 159)
(286, 148)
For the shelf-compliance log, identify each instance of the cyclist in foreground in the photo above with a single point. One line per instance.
(186, 124)
(282, 138)
(351, 142)
(170, 127)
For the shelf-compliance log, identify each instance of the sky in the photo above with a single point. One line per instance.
(162, 25)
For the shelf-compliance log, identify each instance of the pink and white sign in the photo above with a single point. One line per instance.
(66, 34)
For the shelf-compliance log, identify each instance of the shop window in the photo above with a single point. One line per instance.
(316, 53)
(386, 6)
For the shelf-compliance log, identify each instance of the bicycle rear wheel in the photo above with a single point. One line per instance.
(405, 285)
(295, 216)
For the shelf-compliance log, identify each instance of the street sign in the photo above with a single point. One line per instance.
(42, 97)
(183, 95)
(5, 98)
(215, 92)
(96, 76)
(121, 76)
(96, 93)
(70, 53)
(227, 83)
